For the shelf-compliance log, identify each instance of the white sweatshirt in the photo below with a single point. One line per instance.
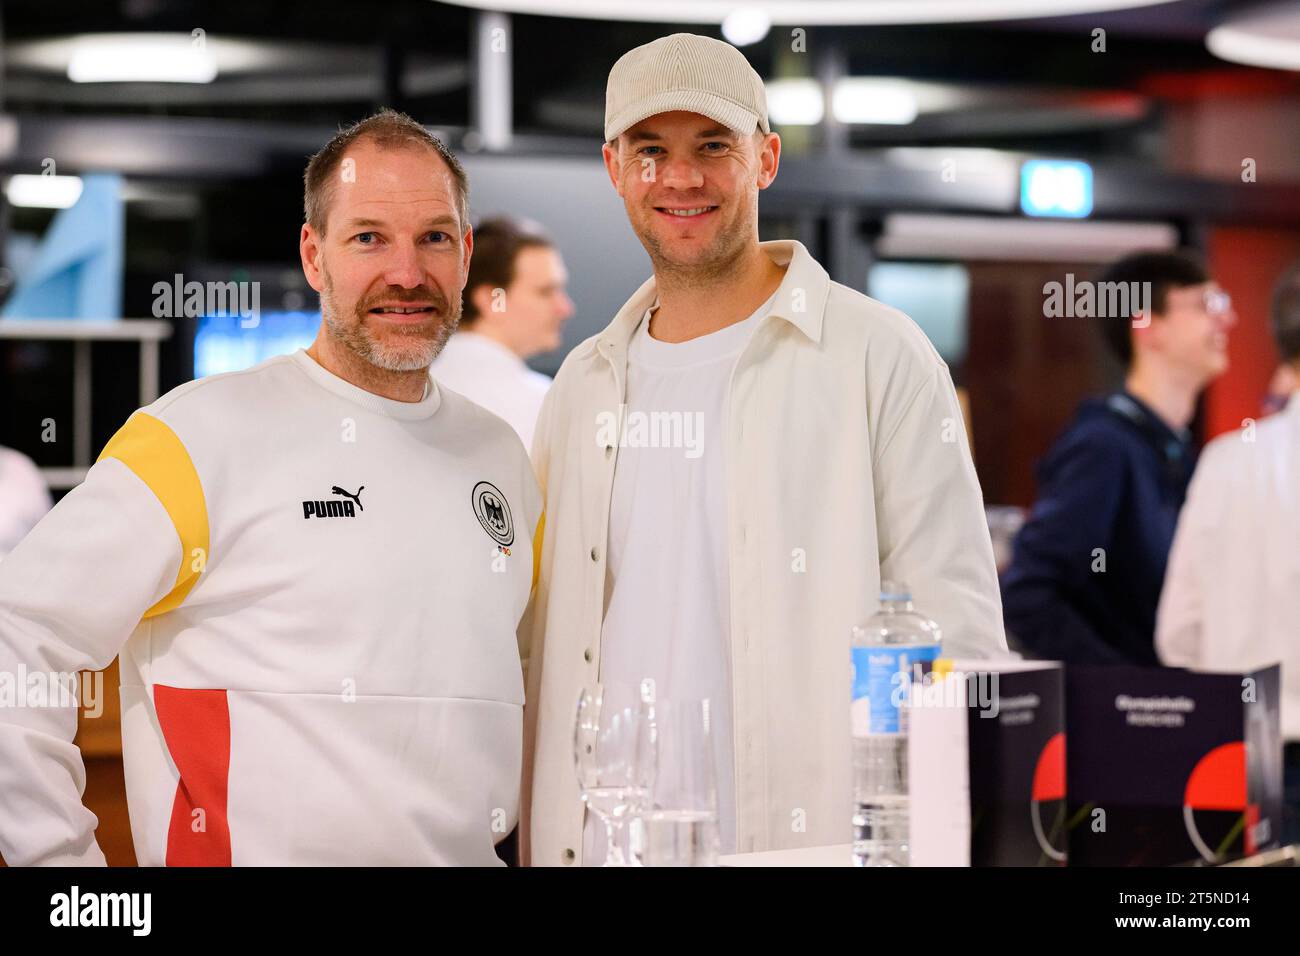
(318, 590)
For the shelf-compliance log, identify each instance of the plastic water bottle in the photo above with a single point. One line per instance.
(885, 651)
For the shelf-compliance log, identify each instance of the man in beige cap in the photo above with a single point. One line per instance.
(730, 469)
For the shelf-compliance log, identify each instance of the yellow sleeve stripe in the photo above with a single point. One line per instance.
(537, 548)
(152, 450)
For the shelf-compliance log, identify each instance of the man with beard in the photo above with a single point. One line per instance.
(313, 569)
(730, 468)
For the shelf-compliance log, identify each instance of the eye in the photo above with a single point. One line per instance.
(362, 236)
(716, 142)
(645, 150)
(439, 236)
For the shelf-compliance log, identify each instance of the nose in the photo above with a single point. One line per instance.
(566, 306)
(680, 173)
(403, 267)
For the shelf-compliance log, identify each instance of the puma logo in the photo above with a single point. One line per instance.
(334, 509)
(357, 497)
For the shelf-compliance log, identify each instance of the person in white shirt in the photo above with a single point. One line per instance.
(24, 498)
(1231, 597)
(729, 468)
(515, 309)
(313, 570)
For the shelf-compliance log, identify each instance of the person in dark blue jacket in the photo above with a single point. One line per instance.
(1087, 567)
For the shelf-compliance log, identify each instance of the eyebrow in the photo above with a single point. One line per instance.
(372, 223)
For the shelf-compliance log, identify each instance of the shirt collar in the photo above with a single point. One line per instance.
(486, 346)
(800, 298)
(391, 408)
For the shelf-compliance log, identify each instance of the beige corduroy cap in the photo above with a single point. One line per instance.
(685, 72)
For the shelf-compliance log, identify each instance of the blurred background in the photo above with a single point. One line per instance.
(947, 157)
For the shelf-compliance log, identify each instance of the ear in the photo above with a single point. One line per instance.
(610, 155)
(769, 158)
(309, 250)
(467, 241)
(1146, 329)
(481, 296)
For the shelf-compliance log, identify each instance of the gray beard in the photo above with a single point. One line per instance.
(414, 353)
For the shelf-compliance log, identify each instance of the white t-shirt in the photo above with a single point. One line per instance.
(667, 615)
(24, 498)
(489, 374)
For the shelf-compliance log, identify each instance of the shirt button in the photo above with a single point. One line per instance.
(595, 554)
(569, 857)
(586, 655)
(609, 450)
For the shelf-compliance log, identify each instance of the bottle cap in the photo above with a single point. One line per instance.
(895, 591)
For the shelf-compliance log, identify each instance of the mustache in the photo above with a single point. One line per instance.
(418, 296)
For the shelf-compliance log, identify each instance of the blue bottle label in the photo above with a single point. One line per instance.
(880, 681)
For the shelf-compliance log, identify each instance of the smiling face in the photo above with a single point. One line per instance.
(393, 259)
(690, 186)
(1192, 333)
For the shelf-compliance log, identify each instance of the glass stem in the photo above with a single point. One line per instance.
(614, 843)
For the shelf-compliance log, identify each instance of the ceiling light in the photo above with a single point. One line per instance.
(865, 100)
(795, 102)
(1268, 37)
(745, 25)
(43, 192)
(811, 12)
(142, 58)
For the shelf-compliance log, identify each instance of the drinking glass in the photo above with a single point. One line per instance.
(613, 752)
(680, 825)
